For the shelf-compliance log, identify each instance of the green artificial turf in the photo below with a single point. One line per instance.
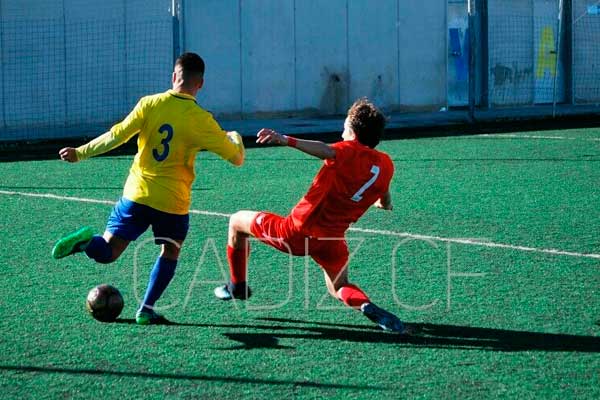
(492, 250)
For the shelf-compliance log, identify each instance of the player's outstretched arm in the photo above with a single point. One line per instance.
(100, 145)
(116, 136)
(313, 147)
(384, 202)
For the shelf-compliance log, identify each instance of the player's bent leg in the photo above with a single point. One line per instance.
(171, 250)
(117, 244)
(354, 297)
(103, 249)
(340, 287)
(240, 225)
(351, 295)
(238, 251)
(106, 248)
(74, 242)
(335, 281)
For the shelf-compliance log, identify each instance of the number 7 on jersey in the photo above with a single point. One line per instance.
(358, 195)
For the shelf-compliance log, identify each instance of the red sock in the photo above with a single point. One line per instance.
(238, 262)
(352, 296)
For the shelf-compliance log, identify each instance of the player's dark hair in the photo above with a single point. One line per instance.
(192, 66)
(367, 122)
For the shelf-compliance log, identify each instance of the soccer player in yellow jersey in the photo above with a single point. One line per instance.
(171, 130)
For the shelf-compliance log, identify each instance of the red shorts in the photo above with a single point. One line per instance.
(279, 232)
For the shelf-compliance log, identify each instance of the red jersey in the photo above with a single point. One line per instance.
(343, 190)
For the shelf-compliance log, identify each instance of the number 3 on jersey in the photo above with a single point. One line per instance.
(358, 195)
(168, 129)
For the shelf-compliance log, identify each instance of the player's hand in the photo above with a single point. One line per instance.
(68, 154)
(379, 204)
(271, 137)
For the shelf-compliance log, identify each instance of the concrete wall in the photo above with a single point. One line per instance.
(321, 68)
(422, 69)
(314, 57)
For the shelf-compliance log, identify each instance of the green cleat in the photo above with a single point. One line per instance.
(150, 317)
(72, 243)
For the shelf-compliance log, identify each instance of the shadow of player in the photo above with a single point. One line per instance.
(426, 335)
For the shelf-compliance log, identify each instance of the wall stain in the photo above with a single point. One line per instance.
(335, 96)
(514, 75)
(378, 91)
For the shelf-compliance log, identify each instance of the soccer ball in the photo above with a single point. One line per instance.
(104, 303)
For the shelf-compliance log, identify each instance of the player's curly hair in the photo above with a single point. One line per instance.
(367, 122)
(192, 65)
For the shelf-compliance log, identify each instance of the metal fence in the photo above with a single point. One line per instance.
(74, 67)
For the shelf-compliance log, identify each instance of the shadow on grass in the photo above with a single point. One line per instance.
(192, 377)
(427, 335)
(447, 336)
(249, 341)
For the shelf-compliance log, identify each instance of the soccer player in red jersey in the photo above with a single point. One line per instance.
(354, 177)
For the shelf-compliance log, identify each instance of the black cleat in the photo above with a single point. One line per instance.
(385, 319)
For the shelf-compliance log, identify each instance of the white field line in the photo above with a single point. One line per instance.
(96, 201)
(474, 242)
(518, 136)
(471, 242)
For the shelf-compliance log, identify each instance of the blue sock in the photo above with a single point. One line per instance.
(160, 276)
(99, 250)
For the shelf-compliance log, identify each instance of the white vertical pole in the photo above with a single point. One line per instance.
(447, 53)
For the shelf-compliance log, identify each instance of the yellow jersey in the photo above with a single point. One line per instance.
(172, 130)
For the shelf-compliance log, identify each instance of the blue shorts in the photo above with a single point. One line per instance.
(128, 220)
